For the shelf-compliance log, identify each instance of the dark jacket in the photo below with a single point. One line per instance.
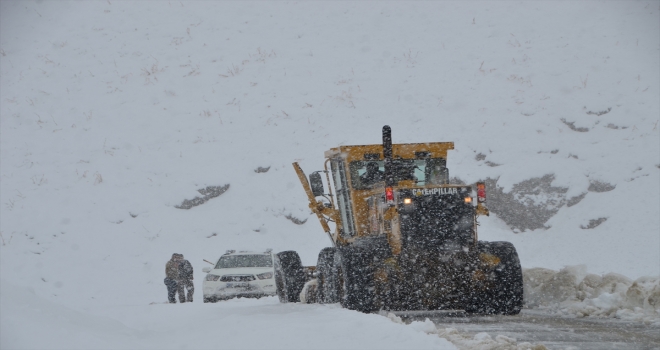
(185, 270)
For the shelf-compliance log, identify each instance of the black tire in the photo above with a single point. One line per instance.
(289, 276)
(280, 283)
(210, 300)
(326, 275)
(355, 280)
(505, 296)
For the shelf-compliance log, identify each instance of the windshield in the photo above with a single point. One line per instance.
(431, 171)
(232, 261)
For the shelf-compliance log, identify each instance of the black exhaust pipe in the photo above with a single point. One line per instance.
(387, 155)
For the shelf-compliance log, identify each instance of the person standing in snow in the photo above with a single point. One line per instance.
(185, 280)
(171, 277)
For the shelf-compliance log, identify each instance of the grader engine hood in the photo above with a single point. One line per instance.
(440, 218)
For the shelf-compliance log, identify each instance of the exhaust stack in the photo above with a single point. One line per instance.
(389, 172)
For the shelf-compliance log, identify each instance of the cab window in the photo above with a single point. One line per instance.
(343, 197)
(430, 171)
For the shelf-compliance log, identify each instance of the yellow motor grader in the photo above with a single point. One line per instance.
(404, 239)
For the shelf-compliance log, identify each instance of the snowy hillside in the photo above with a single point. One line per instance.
(112, 113)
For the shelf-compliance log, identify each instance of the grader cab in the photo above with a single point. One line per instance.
(404, 238)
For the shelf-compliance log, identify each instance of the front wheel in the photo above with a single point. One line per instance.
(505, 295)
(355, 280)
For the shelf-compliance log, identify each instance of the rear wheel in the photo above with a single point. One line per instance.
(355, 280)
(289, 276)
(326, 276)
(505, 295)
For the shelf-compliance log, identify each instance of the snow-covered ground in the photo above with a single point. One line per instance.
(237, 323)
(112, 113)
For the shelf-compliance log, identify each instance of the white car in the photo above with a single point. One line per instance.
(240, 274)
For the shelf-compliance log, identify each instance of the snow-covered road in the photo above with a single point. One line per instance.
(554, 332)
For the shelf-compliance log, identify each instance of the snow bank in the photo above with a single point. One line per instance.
(573, 291)
(235, 324)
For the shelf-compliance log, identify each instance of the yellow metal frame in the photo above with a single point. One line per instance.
(358, 197)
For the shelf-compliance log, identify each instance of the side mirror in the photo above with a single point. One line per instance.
(316, 184)
(206, 269)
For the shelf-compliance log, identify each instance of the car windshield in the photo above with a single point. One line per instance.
(232, 261)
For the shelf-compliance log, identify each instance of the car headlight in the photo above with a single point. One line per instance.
(210, 277)
(265, 275)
